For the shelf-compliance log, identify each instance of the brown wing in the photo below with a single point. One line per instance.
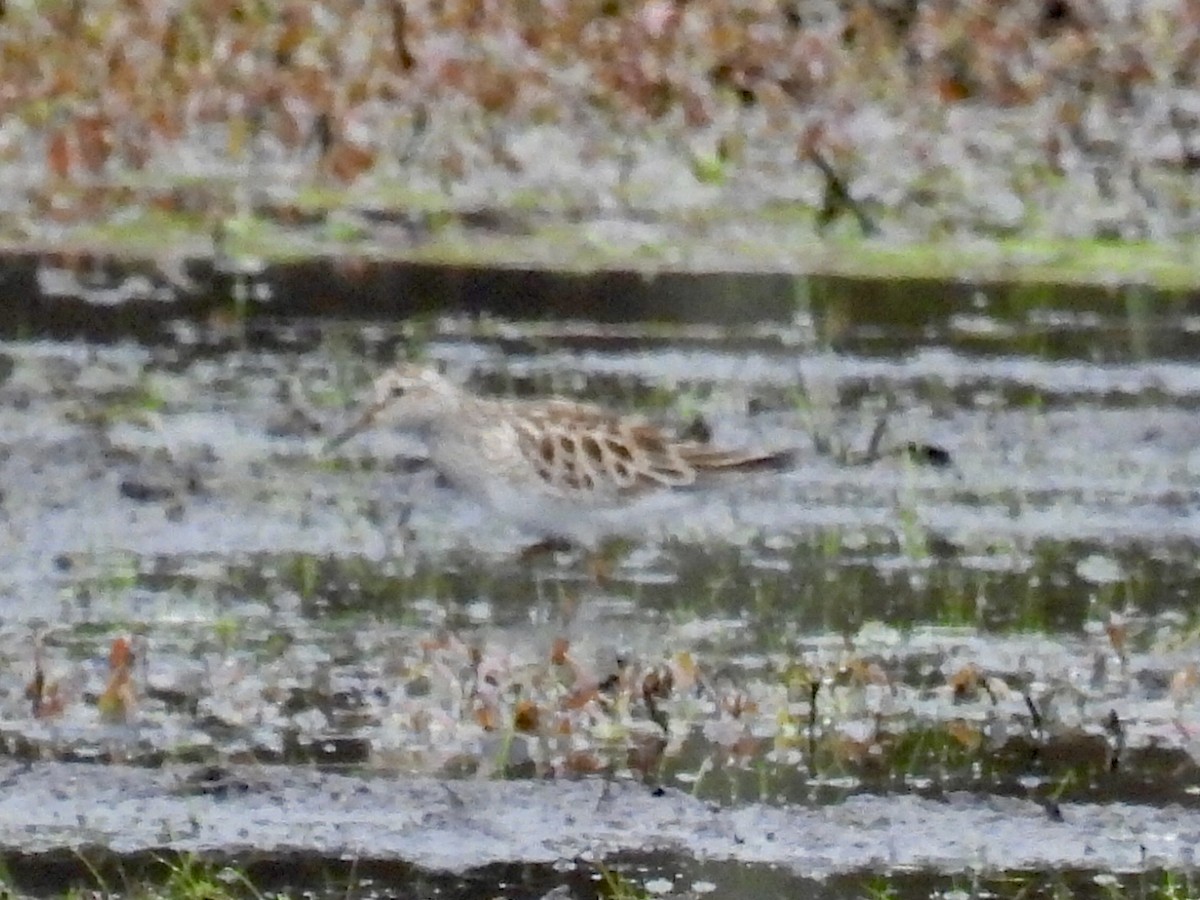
(576, 447)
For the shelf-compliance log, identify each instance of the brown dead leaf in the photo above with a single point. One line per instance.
(1117, 629)
(952, 88)
(58, 154)
(859, 671)
(93, 138)
(583, 762)
(119, 699)
(526, 717)
(487, 718)
(558, 652)
(297, 26)
(346, 161)
(581, 697)
(965, 733)
(746, 747)
(120, 655)
(965, 682)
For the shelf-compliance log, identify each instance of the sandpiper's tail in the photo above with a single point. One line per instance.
(708, 459)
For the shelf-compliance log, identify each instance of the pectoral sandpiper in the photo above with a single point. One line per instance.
(562, 469)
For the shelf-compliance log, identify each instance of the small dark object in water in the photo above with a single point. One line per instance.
(213, 781)
(928, 454)
(1116, 737)
(145, 492)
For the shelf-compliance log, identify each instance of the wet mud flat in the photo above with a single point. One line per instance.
(456, 828)
(958, 637)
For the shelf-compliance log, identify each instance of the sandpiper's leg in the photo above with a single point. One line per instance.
(598, 561)
(602, 559)
(600, 567)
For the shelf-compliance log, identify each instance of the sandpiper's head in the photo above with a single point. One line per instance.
(407, 396)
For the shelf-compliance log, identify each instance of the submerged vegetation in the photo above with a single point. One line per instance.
(632, 877)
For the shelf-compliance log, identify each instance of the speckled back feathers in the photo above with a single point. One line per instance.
(580, 448)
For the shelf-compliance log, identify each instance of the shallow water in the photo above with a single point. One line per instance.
(850, 647)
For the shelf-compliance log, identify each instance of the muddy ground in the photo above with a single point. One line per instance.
(958, 637)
